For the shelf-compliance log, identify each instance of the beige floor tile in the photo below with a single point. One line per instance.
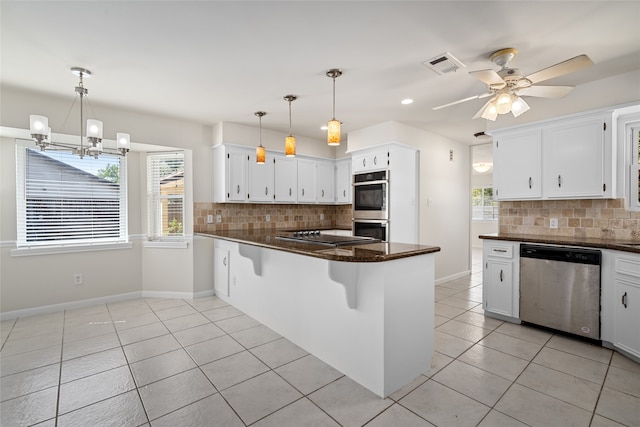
(441, 292)
(524, 332)
(442, 406)
(159, 367)
(349, 403)
(207, 351)
(121, 410)
(300, 413)
(40, 319)
(511, 345)
(277, 353)
(91, 364)
(458, 302)
(447, 311)
(623, 380)
(13, 364)
(576, 391)
(238, 323)
(207, 303)
(620, 407)
(538, 409)
(167, 395)
(577, 366)
(26, 382)
(201, 413)
(479, 320)
(152, 347)
(438, 361)
(408, 388)
(87, 331)
(173, 312)
(620, 361)
(158, 304)
(450, 345)
(580, 348)
(255, 336)
(141, 333)
(600, 421)
(439, 320)
(29, 409)
(397, 415)
(498, 419)
(37, 342)
(128, 321)
(473, 382)
(222, 313)
(90, 345)
(308, 374)
(185, 322)
(198, 334)
(494, 361)
(463, 330)
(260, 396)
(231, 370)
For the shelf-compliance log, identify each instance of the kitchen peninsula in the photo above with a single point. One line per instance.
(365, 309)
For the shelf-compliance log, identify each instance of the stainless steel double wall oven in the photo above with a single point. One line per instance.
(371, 204)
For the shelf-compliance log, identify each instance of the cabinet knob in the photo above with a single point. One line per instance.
(364, 162)
(224, 261)
(375, 160)
(624, 300)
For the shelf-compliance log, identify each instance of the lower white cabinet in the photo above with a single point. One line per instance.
(500, 279)
(221, 271)
(626, 312)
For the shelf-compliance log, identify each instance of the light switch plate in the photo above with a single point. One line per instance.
(553, 222)
(209, 219)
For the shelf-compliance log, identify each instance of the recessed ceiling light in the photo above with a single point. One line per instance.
(406, 101)
(323, 127)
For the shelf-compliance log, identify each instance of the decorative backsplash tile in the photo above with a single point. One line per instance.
(248, 216)
(595, 218)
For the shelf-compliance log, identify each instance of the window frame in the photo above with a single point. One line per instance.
(484, 206)
(634, 167)
(154, 205)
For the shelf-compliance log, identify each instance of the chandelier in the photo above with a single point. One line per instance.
(41, 132)
(260, 150)
(333, 126)
(290, 141)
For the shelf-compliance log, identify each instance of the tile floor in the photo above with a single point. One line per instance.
(164, 362)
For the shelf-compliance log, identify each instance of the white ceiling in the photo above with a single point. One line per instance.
(212, 61)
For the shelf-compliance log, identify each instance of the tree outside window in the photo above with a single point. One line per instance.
(484, 206)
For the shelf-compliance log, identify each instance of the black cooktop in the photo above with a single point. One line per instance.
(315, 236)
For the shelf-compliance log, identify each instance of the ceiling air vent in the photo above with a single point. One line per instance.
(444, 63)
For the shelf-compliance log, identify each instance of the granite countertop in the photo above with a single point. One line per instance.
(369, 252)
(618, 245)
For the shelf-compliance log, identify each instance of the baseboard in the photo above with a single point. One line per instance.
(73, 305)
(452, 277)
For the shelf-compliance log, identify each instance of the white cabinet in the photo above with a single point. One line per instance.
(518, 166)
(371, 160)
(286, 179)
(261, 180)
(230, 170)
(221, 271)
(325, 181)
(306, 180)
(626, 312)
(569, 158)
(343, 181)
(500, 279)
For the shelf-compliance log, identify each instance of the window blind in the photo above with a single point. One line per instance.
(63, 199)
(165, 195)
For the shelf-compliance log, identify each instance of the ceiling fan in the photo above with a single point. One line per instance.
(508, 85)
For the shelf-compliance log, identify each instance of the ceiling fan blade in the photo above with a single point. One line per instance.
(489, 77)
(459, 101)
(569, 66)
(545, 91)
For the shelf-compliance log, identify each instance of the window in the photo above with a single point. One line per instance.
(65, 200)
(484, 206)
(634, 196)
(165, 195)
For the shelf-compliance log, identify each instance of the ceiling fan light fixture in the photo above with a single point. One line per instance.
(503, 103)
(491, 111)
(519, 106)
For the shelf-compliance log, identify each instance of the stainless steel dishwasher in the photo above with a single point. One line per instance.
(560, 289)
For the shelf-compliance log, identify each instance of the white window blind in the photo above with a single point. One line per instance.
(165, 195)
(65, 200)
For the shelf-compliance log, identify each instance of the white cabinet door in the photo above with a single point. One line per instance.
(237, 161)
(221, 271)
(286, 179)
(306, 180)
(518, 165)
(499, 287)
(626, 313)
(574, 154)
(261, 180)
(324, 181)
(370, 160)
(343, 181)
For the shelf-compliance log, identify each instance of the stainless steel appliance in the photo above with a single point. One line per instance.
(316, 237)
(371, 195)
(560, 289)
(377, 229)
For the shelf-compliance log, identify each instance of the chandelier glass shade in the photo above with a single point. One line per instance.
(41, 132)
(290, 141)
(504, 102)
(260, 150)
(333, 125)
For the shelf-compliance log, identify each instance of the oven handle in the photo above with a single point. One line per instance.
(372, 221)
(382, 181)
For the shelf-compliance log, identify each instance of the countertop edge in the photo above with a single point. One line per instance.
(623, 246)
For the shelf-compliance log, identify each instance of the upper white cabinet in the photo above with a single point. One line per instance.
(561, 159)
(371, 160)
(306, 181)
(343, 181)
(286, 179)
(261, 180)
(325, 181)
(230, 170)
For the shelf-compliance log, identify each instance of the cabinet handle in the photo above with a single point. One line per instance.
(322, 192)
(344, 193)
(559, 181)
(266, 190)
(529, 183)
(486, 265)
(364, 162)
(224, 261)
(289, 192)
(501, 275)
(375, 160)
(500, 250)
(303, 192)
(238, 189)
(624, 300)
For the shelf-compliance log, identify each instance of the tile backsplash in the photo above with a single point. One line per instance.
(248, 216)
(593, 218)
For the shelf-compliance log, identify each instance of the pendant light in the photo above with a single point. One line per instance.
(290, 141)
(260, 151)
(333, 126)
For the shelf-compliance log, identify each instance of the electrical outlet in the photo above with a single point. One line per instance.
(77, 279)
(553, 222)
(321, 217)
(209, 219)
(267, 217)
(218, 218)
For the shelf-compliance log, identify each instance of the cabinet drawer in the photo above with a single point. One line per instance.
(501, 251)
(628, 267)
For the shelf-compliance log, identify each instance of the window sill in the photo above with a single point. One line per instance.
(166, 244)
(47, 250)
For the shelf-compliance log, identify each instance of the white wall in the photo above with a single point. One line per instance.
(444, 190)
